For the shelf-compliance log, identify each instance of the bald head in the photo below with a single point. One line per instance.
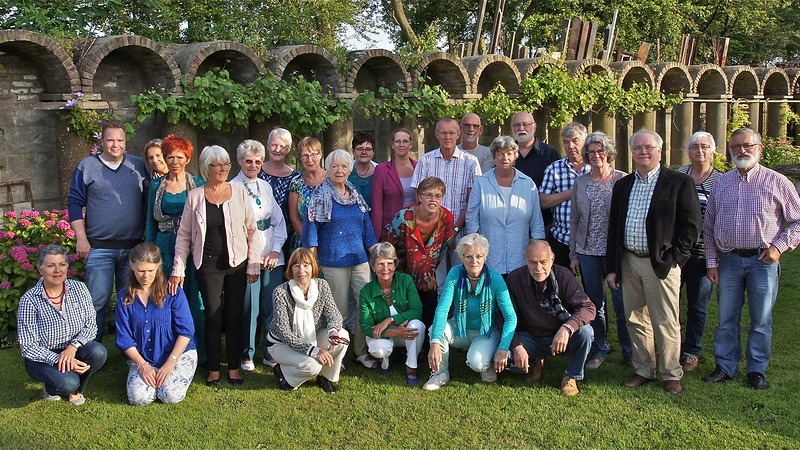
(471, 130)
(539, 257)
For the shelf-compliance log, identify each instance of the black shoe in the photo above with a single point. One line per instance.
(717, 376)
(757, 380)
(326, 384)
(282, 383)
(211, 383)
(235, 381)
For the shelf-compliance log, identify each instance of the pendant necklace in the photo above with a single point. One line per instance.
(256, 196)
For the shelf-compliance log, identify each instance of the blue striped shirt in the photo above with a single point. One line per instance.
(638, 207)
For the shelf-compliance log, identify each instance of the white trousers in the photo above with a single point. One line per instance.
(481, 349)
(172, 391)
(382, 348)
(298, 368)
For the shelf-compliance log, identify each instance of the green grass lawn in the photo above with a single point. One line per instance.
(373, 411)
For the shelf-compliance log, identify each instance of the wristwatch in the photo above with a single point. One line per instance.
(76, 344)
(456, 229)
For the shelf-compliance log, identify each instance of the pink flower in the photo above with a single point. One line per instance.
(33, 249)
(49, 223)
(2, 257)
(5, 285)
(25, 222)
(26, 213)
(72, 273)
(27, 266)
(62, 225)
(11, 234)
(11, 215)
(56, 240)
(34, 214)
(3, 235)
(72, 258)
(70, 234)
(19, 254)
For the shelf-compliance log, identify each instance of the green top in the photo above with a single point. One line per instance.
(373, 307)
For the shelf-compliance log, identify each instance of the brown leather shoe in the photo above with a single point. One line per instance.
(689, 362)
(636, 380)
(673, 387)
(535, 374)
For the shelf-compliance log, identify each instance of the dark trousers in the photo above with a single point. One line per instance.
(698, 294)
(560, 249)
(64, 384)
(429, 300)
(222, 288)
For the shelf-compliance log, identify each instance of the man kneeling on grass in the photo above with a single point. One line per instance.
(553, 316)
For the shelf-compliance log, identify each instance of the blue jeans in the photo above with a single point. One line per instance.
(102, 266)
(577, 349)
(737, 276)
(698, 294)
(64, 384)
(593, 276)
(258, 303)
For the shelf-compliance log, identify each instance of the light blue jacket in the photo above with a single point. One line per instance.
(507, 227)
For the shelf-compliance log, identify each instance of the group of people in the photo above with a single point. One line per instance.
(468, 247)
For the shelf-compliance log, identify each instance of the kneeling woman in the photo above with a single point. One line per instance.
(155, 331)
(306, 338)
(390, 312)
(477, 292)
(56, 326)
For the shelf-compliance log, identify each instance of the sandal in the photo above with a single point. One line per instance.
(368, 361)
(411, 376)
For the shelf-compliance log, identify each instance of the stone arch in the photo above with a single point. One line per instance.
(375, 68)
(794, 75)
(774, 82)
(709, 80)
(445, 70)
(672, 78)
(743, 81)
(196, 59)
(312, 62)
(630, 72)
(151, 63)
(488, 70)
(54, 68)
(588, 66)
(528, 67)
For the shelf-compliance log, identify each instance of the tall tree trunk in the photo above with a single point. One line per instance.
(405, 27)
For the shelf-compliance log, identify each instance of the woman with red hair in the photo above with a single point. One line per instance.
(165, 203)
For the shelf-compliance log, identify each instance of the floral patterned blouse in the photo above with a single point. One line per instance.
(304, 191)
(280, 188)
(419, 258)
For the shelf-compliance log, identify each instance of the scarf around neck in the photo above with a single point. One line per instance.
(158, 214)
(303, 319)
(323, 197)
(548, 297)
(463, 290)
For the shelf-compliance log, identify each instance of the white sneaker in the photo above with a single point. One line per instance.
(489, 375)
(248, 366)
(48, 397)
(437, 380)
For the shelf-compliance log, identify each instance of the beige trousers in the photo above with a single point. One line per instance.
(298, 368)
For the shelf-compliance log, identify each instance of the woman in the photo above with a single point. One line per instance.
(309, 150)
(272, 228)
(56, 327)
(165, 203)
(280, 176)
(391, 183)
(700, 149)
(363, 145)
(155, 331)
(337, 228)
(421, 234)
(504, 207)
(475, 292)
(306, 335)
(220, 231)
(591, 205)
(390, 312)
(154, 157)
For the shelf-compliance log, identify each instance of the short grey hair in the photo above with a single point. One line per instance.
(573, 129)
(250, 147)
(598, 137)
(339, 156)
(503, 143)
(745, 130)
(646, 132)
(474, 240)
(50, 250)
(700, 135)
(382, 250)
(209, 155)
(282, 134)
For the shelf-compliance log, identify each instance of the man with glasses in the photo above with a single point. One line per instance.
(534, 155)
(752, 217)
(471, 131)
(653, 224)
(109, 187)
(457, 169)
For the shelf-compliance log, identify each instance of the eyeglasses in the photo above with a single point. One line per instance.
(224, 165)
(643, 148)
(257, 162)
(431, 196)
(700, 147)
(447, 133)
(521, 125)
(600, 152)
(402, 141)
(746, 147)
(309, 155)
(363, 149)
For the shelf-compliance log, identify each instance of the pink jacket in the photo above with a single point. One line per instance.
(387, 195)
(240, 229)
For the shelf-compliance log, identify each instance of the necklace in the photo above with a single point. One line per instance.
(313, 181)
(602, 177)
(213, 197)
(474, 279)
(256, 196)
(59, 297)
(366, 172)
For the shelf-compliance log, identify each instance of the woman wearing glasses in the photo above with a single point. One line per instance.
(220, 231)
(309, 150)
(391, 184)
(421, 234)
(361, 177)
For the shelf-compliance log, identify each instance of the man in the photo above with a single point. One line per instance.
(752, 218)
(653, 224)
(556, 189)
(534, 155)
(457, 169)
(553, 316)
(110, 186)
(471, 131)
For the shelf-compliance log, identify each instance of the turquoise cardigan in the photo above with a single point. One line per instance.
(405, 299)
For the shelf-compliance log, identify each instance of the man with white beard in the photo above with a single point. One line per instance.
(752, 217)
(534, 155)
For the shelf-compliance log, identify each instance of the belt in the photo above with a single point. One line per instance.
(746, 252)
(638, 254)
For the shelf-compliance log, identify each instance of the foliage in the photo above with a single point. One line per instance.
(779, 151)
(426, 103)
(88, 123)
(21, 236)
(740, 117)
